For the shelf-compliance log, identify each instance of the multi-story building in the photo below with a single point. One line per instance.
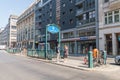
(86, 25)
(4, 37)
(9, 34)
(76, 19)
(109, 26)
(25, 28)
(45, 13)
(68, 24)
(1, 29)
(59, 12)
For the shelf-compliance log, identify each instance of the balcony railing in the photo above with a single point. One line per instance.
(79, 11)
(79, 2)
(84, 22)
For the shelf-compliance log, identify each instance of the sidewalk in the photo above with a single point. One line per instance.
(78, 63)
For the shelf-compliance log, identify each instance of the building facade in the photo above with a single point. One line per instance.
(109, 26)
(76, 19)
(59, 12)
(4, 37)
(1, 32)
(85, 25)
(9, 34)
(68, 24)
(25, 28)
(45, 13)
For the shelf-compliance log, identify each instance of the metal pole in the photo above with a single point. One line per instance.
(105, 57)
(34, 32)
(90, 59)
(97, 24)
(59, 40)
(46, 43)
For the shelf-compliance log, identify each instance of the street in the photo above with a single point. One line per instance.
(14, 67)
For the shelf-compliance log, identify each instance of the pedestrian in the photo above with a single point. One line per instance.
(85, 60)
(86, 51)
(58, 52)
(95, 55)
(65, 52)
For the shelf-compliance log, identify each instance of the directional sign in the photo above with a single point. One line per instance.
(52, 28)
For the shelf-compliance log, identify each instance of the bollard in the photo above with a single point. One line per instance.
(90, 59)
(105, 56)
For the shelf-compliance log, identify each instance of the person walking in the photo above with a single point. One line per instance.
(95, 55)
(65, 52)
(58, 52)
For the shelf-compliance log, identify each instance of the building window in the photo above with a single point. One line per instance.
(71, 21)
(93, 14)
(63, 13)
(106, 18)
(71, 10)
(105, 1)
(84, 16)
(90, 14)
(110, 18)
(116, 16)
(71, 1)
(63, 4)
(63, 23)
(13, 27)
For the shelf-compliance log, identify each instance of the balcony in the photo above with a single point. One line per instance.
(79, 2)
(79, 11)
(85, 22)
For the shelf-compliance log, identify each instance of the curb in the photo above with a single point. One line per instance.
(49, 61)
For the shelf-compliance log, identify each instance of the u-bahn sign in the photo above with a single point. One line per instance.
(52, 28)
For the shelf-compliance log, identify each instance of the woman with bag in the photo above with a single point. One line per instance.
(65, 52)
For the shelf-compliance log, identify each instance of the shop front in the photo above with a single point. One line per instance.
(118, 43)
(85, 44)
(80, 45)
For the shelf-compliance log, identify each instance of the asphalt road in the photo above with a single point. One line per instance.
(23, 68)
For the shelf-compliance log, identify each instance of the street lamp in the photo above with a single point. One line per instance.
(97, 24)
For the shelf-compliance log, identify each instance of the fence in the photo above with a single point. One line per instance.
(13, 50)
(41, 53)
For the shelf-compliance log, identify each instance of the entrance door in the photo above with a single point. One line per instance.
(118, 44)
(109, 44)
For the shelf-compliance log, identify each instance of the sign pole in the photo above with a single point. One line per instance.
(46, 43)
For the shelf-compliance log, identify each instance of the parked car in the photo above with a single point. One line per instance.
(117, 59)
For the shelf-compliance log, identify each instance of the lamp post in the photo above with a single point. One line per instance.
(97, 24)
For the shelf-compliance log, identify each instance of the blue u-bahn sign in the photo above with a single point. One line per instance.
(52, 28)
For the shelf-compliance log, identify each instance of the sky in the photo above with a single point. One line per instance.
(8, 7)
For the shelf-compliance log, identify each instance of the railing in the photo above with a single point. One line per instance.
(79, 1)
(41, 53)
(13, 50)
(82, 22)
